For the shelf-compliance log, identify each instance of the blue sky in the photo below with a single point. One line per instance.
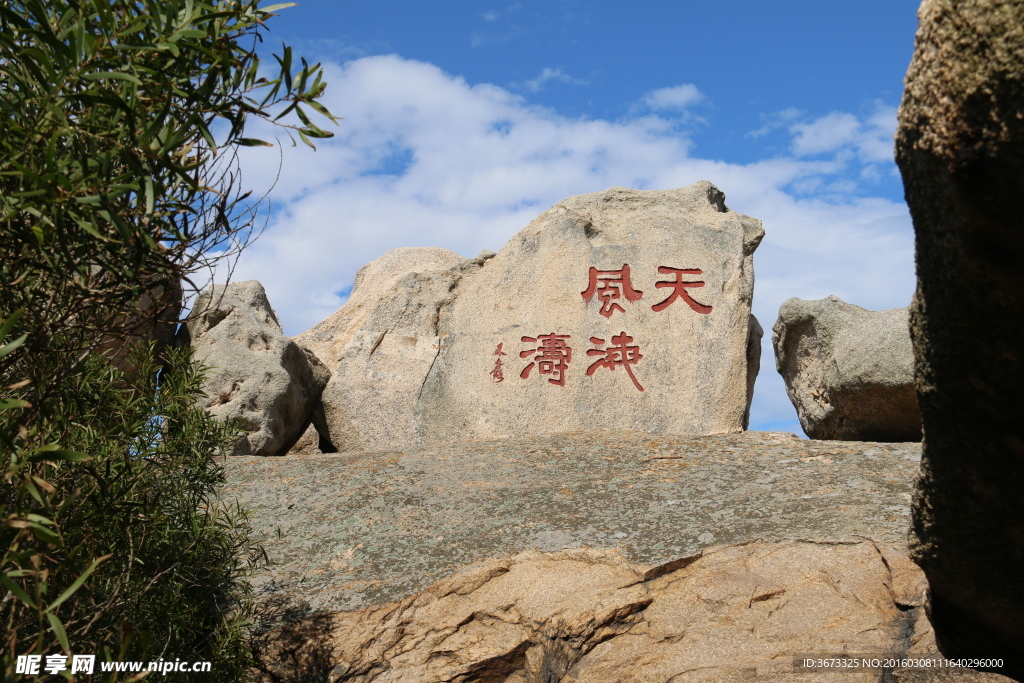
(464, 120)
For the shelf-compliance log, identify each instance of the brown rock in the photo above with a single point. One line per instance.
(960, 148)
(849, 371)
(727, 613)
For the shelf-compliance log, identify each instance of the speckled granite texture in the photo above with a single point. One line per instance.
(348, 530)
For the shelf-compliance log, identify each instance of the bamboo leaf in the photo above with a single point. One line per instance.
(17, 591)
(58, 630)
(78, 583)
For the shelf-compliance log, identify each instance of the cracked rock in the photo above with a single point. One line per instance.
(258, 376)
(729, 612)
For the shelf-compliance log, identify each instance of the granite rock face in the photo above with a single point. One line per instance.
(621, 309)
(735, 612)
(372, 399)
(372, 528)
(258, 375)
(849, 371)
(328, 338)
(960, 148)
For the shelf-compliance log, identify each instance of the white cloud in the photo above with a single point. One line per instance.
(871, 140)
(423, 158)
(549, 74)
(676, 97)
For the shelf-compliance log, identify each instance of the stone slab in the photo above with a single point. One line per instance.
(344, 531)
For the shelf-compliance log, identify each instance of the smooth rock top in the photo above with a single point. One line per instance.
(621, 309)
(328, 338)
(258, 375)
(849, 371)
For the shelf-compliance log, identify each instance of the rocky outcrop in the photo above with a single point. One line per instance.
(621, 309)
(849, 371)
(726, 613)
(373, 528)
(960, 148)
(257, 376)
(328, 338)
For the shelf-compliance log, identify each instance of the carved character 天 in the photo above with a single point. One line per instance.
(679, 288)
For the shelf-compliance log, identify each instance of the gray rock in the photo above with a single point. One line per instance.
(621, 309)
(377, 527)
(960, 148)
(849, 371)
(258, 376)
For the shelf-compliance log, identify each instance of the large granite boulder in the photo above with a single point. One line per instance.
(328, 338)
(584, 557)
(621, 309)
(727, 613)
(960, 148)
(257, 376)
(849, 371)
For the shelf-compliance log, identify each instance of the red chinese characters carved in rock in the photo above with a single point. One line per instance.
(498, 374)
(552, 357)
(620, 354)
(679, 287)
(610, 285)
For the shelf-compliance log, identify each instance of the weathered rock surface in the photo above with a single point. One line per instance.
(347, 531)
(960, 148)
(154, 321)
(328, 338)
(621, 309)
(258, 375)
(849, 371)
(373, 397)
(739, 612)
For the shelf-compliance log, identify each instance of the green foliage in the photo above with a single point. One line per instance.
(111, 172)
(120, 121)
(128, 554)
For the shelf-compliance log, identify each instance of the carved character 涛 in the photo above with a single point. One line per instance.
(553, 356)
